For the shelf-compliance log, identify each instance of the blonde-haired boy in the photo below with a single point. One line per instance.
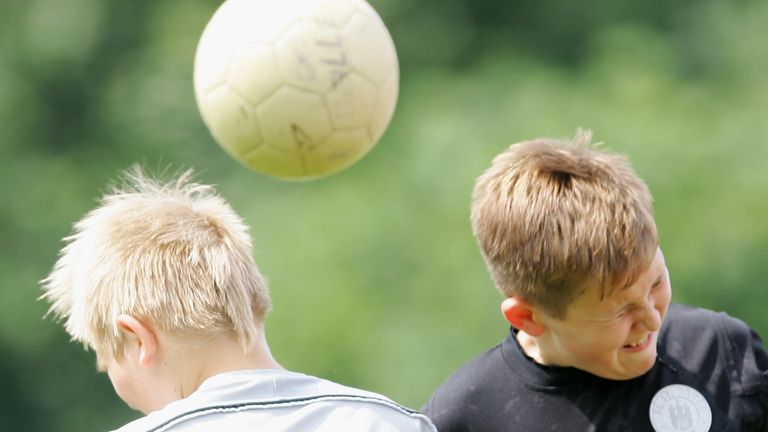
(160, 282)
(568, 236)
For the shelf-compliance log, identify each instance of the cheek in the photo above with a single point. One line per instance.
(614, 337)
(663, 300)
(598, 343)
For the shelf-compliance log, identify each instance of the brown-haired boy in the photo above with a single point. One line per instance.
(568, 235)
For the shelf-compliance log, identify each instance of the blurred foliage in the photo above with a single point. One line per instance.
(376, 279)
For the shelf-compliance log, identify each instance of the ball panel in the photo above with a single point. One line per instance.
(334, 12)
(211, 65)
(352, 101)
(312, 56)
(276, 163)
(294, 120)
(370, 47)
(337, 152)
(385, 108)
(232, 121)
(343, 148)
(254, 72)
(254, 20)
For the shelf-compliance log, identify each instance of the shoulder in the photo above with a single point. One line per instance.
(687, 327)
(681, 317)
(280, 401)
(473, 376)
(452, 404)
(350, 408)
(715, 345)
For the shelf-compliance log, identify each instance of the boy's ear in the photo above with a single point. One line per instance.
(141, 337)
(521, 315)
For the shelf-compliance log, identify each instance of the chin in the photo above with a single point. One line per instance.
(638, 374)
(626, 374)
(641, 370)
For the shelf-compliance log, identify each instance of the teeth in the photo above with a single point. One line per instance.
(637, 343)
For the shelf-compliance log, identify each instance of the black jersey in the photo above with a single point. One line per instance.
(719, 357)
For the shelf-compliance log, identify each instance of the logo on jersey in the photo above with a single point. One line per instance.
(679, 408)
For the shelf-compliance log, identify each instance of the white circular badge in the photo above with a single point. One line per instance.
(679, 408)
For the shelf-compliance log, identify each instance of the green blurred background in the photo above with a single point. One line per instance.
(376, 279)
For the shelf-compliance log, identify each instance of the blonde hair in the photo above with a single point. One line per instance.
(552, 218)
(175, 254)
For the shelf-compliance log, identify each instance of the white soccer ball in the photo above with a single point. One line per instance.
(296, 89)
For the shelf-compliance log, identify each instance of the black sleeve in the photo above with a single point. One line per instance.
(747, 365)
(444, 409)
(468, 399)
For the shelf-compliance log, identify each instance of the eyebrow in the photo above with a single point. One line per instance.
(655, 282)
(625, 305)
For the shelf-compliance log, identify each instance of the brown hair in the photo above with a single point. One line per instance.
(552, 217)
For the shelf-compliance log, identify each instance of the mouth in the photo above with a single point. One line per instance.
(639, 344)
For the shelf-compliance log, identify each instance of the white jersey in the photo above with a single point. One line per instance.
(279, 400)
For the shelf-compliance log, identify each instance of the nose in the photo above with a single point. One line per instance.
(649, 317)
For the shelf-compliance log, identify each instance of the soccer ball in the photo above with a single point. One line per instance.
(296, 89)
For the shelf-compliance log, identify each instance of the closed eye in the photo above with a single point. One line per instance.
(627, 310)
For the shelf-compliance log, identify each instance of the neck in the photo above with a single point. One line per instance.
(197, 363)
(530, 346)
